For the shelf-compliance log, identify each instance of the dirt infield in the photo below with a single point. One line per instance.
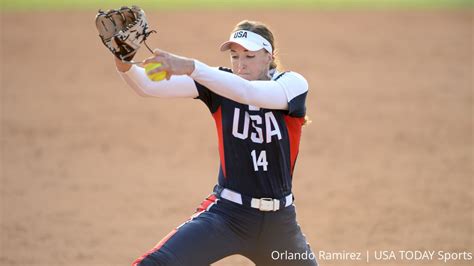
(93, 174)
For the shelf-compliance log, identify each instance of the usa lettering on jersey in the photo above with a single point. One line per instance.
(257, 122)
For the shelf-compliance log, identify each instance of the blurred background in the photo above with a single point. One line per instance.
(93, 174)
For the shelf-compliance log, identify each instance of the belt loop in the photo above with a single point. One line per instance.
(247, 201)
(218, 190)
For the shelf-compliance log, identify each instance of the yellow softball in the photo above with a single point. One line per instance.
(155, 76)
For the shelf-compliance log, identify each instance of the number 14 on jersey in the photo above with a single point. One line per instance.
(259, 161)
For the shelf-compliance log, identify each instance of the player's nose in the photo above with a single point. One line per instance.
(241, 65)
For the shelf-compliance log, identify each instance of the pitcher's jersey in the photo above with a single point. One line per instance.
(257, 147)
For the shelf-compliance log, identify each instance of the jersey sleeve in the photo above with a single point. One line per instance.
(208, 97)
(296, 90)
(276, 94)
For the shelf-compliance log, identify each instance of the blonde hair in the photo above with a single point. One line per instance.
(264, 31)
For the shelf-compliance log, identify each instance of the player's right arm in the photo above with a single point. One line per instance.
(178, 86)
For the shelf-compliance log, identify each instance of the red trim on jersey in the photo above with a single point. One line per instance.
(218, 118)
(158, 246)
(202, 208)
(293, 125)
(205, 204)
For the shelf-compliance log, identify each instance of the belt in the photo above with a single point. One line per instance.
(263, 204)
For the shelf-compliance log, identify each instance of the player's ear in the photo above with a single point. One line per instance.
(269, 57)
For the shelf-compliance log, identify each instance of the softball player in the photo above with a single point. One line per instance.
(259, 113)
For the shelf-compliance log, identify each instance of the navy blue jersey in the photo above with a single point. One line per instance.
(258, 147)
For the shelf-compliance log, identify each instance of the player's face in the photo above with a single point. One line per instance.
(248, 64)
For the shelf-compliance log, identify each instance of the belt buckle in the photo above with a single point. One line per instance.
(269, 204)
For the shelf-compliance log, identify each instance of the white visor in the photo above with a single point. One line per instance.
(249, 40)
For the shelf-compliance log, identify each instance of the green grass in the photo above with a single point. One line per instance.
(244, 4)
